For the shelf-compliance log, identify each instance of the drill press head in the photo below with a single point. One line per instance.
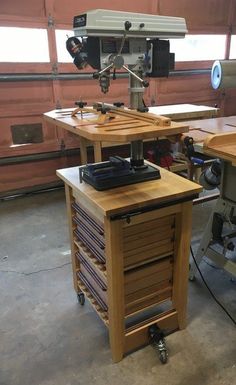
(113, 40)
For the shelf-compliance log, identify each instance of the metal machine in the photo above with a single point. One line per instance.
(110, 41)
(218, 239)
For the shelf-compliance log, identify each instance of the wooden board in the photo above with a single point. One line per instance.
(198, 135)
(135, 196)
(214, 126)
(222, 146)
(120, 129)
(185, 111)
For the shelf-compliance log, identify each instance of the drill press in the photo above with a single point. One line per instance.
(109, 41)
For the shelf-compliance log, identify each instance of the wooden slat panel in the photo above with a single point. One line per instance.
(180, 90)
(150, 300)
(19, 176)
(152, 268)
(148, 281)
(149, 239)
(148, 248)
(149, 216)
(156, 224)
(156, 252)
(90, 91)
(152, 232)
(146, 290)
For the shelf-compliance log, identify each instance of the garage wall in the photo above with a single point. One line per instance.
(22, 103)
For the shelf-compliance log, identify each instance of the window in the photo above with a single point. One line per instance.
(198, 47)
(232, 54)
(63, 55)
(23, 45)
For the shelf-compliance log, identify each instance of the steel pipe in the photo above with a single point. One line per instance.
(85, 76)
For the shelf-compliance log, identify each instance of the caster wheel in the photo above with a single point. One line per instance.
(163, 357)
(81, 298)
(191, 276)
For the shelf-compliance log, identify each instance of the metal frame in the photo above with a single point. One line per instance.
(226, 207)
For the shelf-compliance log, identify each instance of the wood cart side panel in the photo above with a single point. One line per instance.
(74, 260)
(115, 283)
(181, 261)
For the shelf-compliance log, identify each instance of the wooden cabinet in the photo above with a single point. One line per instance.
(130, 249)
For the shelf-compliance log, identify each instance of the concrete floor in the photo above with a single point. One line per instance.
(46, 338)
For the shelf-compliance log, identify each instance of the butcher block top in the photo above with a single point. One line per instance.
(169, 188)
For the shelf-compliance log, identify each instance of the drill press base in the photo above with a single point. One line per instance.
(110, 174)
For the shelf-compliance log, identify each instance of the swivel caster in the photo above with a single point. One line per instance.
(163, 356)
(191, 274)
(157, 340)
(81, 298)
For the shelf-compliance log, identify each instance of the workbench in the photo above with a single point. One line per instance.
(178, 112)
(202, 128)
(130, 254)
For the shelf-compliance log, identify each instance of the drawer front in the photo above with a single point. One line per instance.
(148, 241)
(148, 285)
(148, 301)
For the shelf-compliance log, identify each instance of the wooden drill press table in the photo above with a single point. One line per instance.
(130, 254)
(120, 129)
(177, 112)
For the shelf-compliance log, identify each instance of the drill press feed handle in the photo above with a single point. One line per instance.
(113, 40)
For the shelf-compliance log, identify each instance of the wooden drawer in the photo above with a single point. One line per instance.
(95, 269)
(89, 230)
(93, 287)
(148, 285)
(150, 300)
(148, 241)
(84, 215)
(81, 226)
(97, 251)
(81, 222)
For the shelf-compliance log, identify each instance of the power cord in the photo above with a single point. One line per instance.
(210, 291)
(35, 272)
